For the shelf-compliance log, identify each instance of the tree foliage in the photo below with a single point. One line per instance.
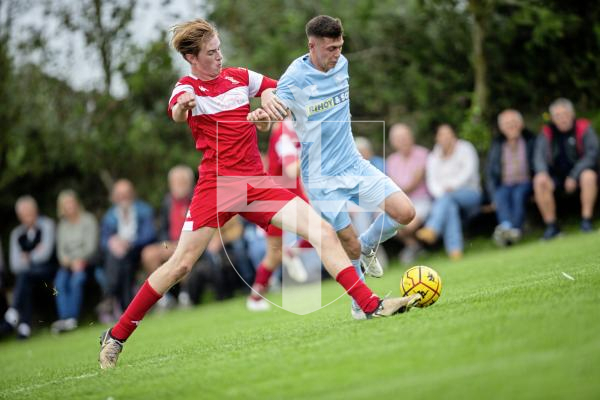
(419, 61)
(56, 137)
(104, 24)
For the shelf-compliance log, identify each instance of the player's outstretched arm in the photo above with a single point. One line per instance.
(260, 118)
(185, 102)
(273, 105)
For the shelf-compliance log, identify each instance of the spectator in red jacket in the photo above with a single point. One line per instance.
(565, 159)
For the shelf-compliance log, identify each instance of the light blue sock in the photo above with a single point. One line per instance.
(383, 228)
(359, 272)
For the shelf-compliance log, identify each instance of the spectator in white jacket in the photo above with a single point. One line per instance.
(31, 260)
(452, 177)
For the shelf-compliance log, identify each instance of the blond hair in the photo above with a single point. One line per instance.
(61, 198)
(188, 37)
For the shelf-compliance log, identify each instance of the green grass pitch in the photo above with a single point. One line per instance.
(509, 324)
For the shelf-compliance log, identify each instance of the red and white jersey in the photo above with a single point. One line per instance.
(284, 149)
(218, 122)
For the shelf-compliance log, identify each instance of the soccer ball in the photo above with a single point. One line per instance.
(422, 280)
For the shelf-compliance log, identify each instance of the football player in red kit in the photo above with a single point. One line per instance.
(214, 101)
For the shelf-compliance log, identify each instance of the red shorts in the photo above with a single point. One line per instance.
(272, 230)
(218, 199)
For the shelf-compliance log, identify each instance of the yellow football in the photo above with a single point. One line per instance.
(423, 280)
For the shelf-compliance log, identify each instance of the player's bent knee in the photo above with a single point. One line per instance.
(406, 215)
(353, 250)
(400, 208)
(350, 244)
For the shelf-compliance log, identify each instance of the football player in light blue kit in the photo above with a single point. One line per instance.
(315, 90)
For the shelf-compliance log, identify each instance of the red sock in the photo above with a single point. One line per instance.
(262, 278)
(303, 244)
(364, 297)
(139, 306)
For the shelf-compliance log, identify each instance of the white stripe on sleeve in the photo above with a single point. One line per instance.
(181, 88)
(254, 82)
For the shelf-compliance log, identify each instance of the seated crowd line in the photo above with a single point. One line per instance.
(444, 185)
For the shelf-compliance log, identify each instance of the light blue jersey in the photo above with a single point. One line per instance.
(320, 103)
(333, 171)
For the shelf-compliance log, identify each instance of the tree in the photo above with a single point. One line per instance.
(105, 26)
(407, 59)
(480, 10)
(419, 61)
(431, 61)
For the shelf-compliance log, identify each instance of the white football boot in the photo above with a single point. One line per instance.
(396, 305)
(370, 264)
(110, 348)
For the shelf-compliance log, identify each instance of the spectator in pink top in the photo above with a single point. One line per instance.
(406, 167)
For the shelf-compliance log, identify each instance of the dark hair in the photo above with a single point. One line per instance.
(324, 26)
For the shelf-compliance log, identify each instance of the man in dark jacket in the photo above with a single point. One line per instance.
(508, 175)
(566, 157)
(126, 228)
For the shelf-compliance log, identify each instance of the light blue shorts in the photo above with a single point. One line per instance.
(362, 184)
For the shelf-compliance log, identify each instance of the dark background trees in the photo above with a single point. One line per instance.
(418, 61)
